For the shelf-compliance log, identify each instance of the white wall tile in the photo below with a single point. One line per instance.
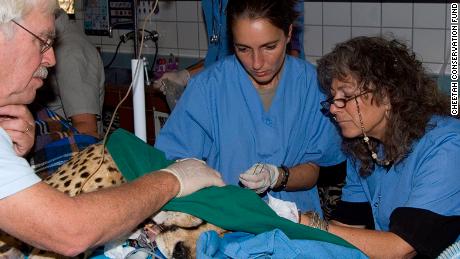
(202, 36)
(333, 35)
(203, 53)
(312, 59)
(403, 35)
(447, 46)
(429, 15)
(365, 14)
(189, 53)
(149, 25)
(200, 12)
(429, 45)
(167, 51)
(364, 31)
(127, 48)
(187, 11)
(433, 68)
(182, 30)
(187, 34)
(108, 48)
(148, 48)
(168, 34)
(313, 40)
(167, 11)
(313, 13)
(337, 13)
(397, 15)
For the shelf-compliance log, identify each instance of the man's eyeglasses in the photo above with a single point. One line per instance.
(339, 102)
(44, 44)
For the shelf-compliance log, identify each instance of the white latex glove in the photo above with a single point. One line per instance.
(178, 78)
(260, 177)
(193, 175)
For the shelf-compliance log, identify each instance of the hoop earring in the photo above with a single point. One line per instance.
(387, 113)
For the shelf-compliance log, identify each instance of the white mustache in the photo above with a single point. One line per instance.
(41, 72)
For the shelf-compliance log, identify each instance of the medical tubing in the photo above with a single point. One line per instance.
(104, 140)
(152, 68)
(114, 55)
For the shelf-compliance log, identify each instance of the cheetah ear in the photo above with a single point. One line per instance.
(180, 219)
(160, 217)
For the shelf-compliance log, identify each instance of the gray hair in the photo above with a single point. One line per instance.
(18, 9)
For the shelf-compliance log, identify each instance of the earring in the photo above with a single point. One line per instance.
(387, 113)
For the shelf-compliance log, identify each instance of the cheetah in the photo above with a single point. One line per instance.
(175, 233)
(81, 174)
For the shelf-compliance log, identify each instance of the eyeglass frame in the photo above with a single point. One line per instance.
(331, 101)
(45, 44)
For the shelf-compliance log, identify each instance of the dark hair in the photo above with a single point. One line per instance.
(389, 70)
(280, 13)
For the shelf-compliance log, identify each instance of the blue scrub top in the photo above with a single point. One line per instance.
(429, 178)
(220, 118)
(215, 17)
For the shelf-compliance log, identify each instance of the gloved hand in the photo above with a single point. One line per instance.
(193, 174)
(178, 78)
(260, 177)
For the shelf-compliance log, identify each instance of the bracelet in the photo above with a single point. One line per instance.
(315, 221)
(283, 183)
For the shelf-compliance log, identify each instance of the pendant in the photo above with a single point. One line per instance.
(214, 39)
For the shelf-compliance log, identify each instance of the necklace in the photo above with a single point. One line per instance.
(374, 156)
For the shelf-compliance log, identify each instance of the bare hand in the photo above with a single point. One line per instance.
(18, 122)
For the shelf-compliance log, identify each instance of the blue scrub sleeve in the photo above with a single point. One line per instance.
(353, 190)
(436, 182)
(187, 131)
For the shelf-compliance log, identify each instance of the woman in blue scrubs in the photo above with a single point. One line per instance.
(255, 116)
(219, 45)
(403, 148)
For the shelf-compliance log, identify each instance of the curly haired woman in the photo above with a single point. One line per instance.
(402, 192)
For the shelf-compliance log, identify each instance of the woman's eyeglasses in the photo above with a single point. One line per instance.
(44, 44)
(339, 102)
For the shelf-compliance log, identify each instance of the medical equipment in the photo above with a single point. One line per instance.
(216, 22)
(137, 85)
(101, 17)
